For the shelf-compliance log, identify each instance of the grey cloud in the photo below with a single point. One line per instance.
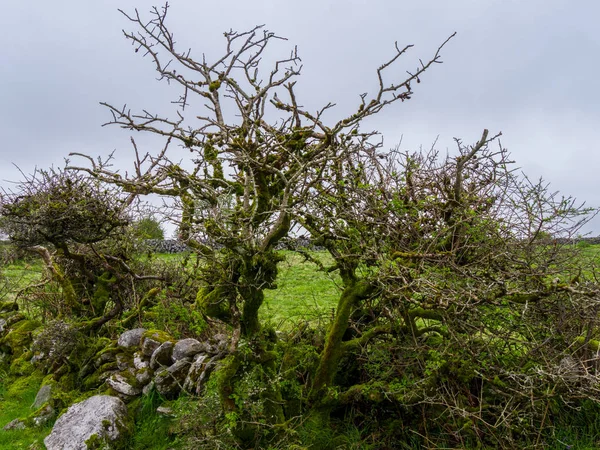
(528, 69)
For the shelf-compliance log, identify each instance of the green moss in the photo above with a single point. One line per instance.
(110, 350)
(215, 85)
(213, 303)
(130, 379)
(19, 337)
(22, 366)
(95, 442)
(93, 381)
(592, 344)
(109, 366)
(158, 335)
(102, 292)
(6, 307)
(20, 386)
(16, 403)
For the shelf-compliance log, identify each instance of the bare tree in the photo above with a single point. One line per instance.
(247, 174)
(256, 156)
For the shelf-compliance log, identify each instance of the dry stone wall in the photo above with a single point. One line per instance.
(134, 364)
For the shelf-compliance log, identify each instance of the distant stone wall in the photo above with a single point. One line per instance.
(165, 246)
(174, 246)
(587, 240)
(303, 242)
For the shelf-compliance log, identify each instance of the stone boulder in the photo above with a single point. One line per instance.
(187, 348)
(43, 396)
(162, 356)
(152, 339)
(131, 338)
(169, 381)
(98, 422)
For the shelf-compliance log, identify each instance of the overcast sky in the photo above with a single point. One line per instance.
(528, 68)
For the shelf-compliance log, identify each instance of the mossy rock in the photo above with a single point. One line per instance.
(19, 338)
(7, 307)
(158, 335)
(93, 381)
(22, 366)
(107, 354)
(24, 384)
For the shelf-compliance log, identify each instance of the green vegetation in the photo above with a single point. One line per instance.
(443, 311)
(148, 228)
(15, 402)
(303, 293)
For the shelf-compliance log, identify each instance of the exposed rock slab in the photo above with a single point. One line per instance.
(101, 420)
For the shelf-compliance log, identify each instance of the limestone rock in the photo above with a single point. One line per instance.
(16, 424)
(152, 339)
(194, 373)
(2, 325)
(148, 388)
(124, 361)
(143, 376)
(139, 362)
(169, 381)
(165, 411)
(131, 338)
(123, 385)
(187, 348)
(100, 420)
(162, 356)
(43, 396)
(149, 345)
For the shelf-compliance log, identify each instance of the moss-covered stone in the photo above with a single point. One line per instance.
(23, 384)
(107, 354)
(108, 367)
(93, 381)
(22, 366)
(6, 307)
(157, 335)
(19, 338)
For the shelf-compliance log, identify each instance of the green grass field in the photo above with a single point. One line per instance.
(15, 402)
(303, 293)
